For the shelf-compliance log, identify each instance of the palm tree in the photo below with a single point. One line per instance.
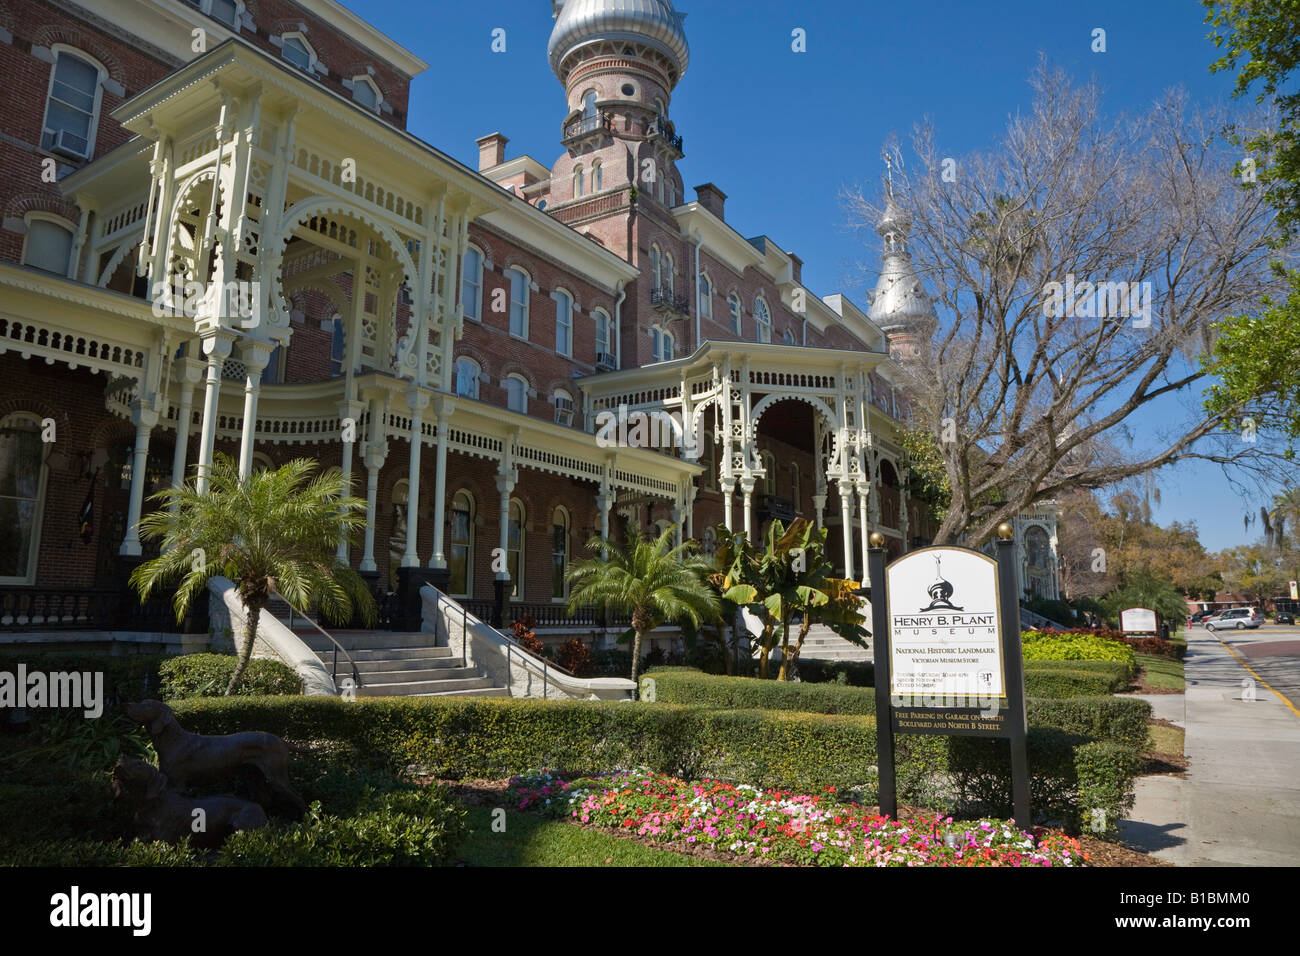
(1286, 510)
(650, 578)
(276, 530)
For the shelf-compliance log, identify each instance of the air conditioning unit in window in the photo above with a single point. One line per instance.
(564, 411)
(70, 144)
(606, 361)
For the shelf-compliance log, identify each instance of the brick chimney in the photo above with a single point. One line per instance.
(491, 151)
(711, 198)
(796, 267)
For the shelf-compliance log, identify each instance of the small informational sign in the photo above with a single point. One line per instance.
(1137, 620)
(944, 627)
(947, 653)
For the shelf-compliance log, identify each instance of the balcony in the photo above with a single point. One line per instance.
(772, 506)
(669, 303)
(586, 126)
(665, 131)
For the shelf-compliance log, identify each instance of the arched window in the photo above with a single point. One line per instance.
(763, 318)
(563, 322)
(670, 274)
(72, 105)
(559, 554)
(706, 296)
(22, 496)
(788, 337)
(519, 283)
(227, 11)
(365, 92)
(604, 349)
(471, 284)
(597, 176)
(295, 48)
(515, 549)
(656, 268)
(338, 346)
(467, 377)
(563, 407)
(517, 394)
(460, 545)
(589, 117)
(733, 306)
(577, 182)
(661, 345)
(48, 245)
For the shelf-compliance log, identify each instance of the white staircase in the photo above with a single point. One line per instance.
(823, 644)
(392, 664)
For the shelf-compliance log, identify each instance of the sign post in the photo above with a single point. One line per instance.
(945, 668)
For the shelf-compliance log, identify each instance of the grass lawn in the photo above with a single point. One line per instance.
(1165, 740)
(532, 840)
(1161, 673)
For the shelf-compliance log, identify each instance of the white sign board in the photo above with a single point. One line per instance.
(1137, 620)
(944, 626)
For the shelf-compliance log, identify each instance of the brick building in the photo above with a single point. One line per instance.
(218, 236)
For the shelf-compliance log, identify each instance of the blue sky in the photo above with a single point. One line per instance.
(783, 133)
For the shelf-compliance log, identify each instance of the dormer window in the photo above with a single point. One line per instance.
(298, 51)
(365, 92)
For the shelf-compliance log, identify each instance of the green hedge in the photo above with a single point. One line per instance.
(852, 673)
(1075, 678)
(207, 675)
(684, 685)
(466, 738)
(1119, 719)
(1053, 646)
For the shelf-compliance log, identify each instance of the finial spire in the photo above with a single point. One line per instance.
(889, 171)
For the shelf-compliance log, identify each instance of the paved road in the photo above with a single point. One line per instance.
(1239, 804)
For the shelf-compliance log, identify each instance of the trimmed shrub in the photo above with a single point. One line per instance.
(850, 673)
(575, 657)
(207, 675)
(416, 827)
(1073, 646)
(1120, 720)
(83, 852)
(687, 686)
(1157, 647)
(1075, 678)
(1105, 772)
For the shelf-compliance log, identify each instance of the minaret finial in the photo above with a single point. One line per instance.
(889, 170)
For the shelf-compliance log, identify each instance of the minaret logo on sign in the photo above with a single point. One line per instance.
(940, 591)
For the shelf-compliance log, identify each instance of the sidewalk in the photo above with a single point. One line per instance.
(1239, 803)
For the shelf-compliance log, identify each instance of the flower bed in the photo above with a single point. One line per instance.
(783, 826)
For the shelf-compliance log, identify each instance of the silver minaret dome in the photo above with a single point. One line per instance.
(580, 23)
(899, 301)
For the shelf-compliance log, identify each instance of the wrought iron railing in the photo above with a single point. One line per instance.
(546, 615)
(667, 298)
(588, 124)
(88, 609)
(296, 615)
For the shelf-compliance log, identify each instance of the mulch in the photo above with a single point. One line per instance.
(492, 793)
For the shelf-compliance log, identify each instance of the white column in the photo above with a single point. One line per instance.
(144, 419)
(504, 487)
(216, 346)
(819, 503)
(846, 526)
(862, 534)
(679, 514)
(374, 457)
(728, 490)
(444, 411)
(189, 372)
(254, 355)
(418, 401)
(747, 492)
(349, 418)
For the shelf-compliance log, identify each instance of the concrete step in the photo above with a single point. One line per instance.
(421, 687)
(439, 664)
(365, 640)
(481, 692)
(415, 677)
(394, 656)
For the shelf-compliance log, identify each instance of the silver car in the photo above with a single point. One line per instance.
(1237, 618)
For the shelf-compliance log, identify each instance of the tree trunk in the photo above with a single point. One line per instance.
(252, 614)
(785, 672)
(636, 658)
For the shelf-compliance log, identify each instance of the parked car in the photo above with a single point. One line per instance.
(1200, 616)
(1236, 617)
(1284, 617)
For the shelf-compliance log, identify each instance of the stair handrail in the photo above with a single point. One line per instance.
(356, 674)
(528, 657)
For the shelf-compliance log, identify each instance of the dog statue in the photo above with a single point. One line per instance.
(164, 814)
(187, 758)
